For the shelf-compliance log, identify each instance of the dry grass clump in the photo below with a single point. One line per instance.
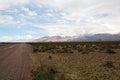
(96, 64)
(108, 64)
(110, 51)
(72, 47)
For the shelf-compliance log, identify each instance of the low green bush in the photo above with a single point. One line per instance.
(44, 74)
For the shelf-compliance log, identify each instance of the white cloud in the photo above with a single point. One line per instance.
(77, 29)
(81, 8)
(5, 4)
(49, 14)
(29, 12)
(76, 16)
(6, 19)
(15, 38)
(84, 10)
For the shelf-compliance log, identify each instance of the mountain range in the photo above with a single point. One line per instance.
(80, 38)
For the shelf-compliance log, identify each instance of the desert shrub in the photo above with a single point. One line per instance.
(79, 50)
(71, 51)
(108, 64)
(44, 74)
(84, 52)
(62, 77)
(62, 50)
(47, 73)
(35, 49)
(110, 51)
(50, 57)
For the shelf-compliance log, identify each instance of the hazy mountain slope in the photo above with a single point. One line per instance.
(55, 39)
(95, 37)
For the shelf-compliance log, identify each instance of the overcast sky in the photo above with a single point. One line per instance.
(23, 20)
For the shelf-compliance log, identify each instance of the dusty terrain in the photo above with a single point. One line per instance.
(60, 61)
(15, 63)
(78, 61)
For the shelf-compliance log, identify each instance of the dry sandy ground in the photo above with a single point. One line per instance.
(15, 63)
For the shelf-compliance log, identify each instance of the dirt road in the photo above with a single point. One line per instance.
(15, 62)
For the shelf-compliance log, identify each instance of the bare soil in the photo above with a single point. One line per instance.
(15, 63)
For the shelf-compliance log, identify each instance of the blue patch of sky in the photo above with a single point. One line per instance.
(11, 13)
(12, 30)
(6, 30)
(37, 32)
(42, 12)
(83, 21)
(102, 15)
(43, 17)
